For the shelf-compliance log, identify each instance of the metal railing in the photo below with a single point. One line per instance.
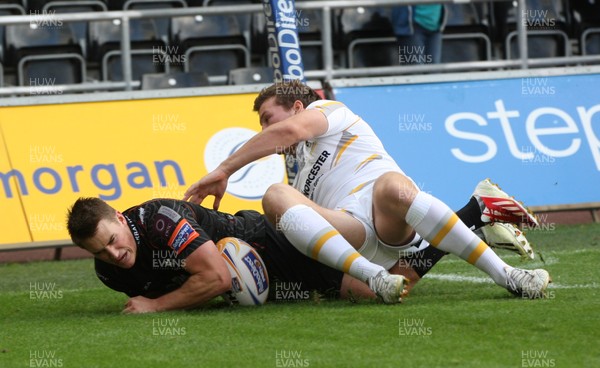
(328, 72)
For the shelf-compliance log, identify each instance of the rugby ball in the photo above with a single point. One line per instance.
(249, 278)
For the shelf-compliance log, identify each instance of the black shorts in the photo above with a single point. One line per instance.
(292, 275)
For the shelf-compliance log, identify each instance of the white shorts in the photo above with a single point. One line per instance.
(360, 206)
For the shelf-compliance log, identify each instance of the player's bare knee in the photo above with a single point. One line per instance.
(269, 199)
(394, 189)
(273, 201)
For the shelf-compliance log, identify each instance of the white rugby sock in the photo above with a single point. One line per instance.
(313, 236)
(441, 227)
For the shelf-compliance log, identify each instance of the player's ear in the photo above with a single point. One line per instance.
(120, 217)
(298, 106)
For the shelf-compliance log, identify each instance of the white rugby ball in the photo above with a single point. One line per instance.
(249, 278)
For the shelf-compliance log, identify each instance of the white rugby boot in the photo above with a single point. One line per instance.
(390, 288)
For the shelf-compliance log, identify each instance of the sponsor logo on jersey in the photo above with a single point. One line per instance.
(312, 175)
(182, 236)
(165, 221)
(170, 213)
(134, 230)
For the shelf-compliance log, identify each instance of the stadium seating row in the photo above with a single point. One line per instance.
(216, 44)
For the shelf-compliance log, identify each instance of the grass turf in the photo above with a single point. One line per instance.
(57, 314)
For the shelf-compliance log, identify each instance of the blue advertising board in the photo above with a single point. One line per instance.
(282, 37)
(537, 137)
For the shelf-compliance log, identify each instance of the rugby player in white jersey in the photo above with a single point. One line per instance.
(351, 207)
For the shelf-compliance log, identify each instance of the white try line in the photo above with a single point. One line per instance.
(482, 280)
(550, 259)
(27, 291)
(537, 263)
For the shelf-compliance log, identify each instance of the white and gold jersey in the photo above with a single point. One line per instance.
(341, 161)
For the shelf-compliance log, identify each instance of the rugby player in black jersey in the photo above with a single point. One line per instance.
(162, 253)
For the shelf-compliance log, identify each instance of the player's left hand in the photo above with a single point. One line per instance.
(140, 304)
(214, 183)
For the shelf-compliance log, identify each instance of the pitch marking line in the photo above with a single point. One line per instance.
(482, 280)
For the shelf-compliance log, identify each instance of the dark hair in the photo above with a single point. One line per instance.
(83, 218)
(286, 93)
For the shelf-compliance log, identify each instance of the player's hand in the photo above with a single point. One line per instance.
(140, 304)
(215, 184)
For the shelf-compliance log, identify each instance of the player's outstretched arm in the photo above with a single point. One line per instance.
(276, 138)
(209, 277)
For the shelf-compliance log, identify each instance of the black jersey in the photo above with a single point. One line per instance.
(166, 231)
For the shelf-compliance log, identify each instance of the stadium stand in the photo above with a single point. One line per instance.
(215, 44)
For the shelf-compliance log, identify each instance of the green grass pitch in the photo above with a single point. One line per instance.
(57, 314)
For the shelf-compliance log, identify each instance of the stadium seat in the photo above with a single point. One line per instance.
(466, 36)
(8, 8)
(145, 4)
(213, 44)
(251, 75)
(38, 38)
(21, 4)
(244, 20)
(146, 48)
(590, 41)
(174, 80)
(44, 52)
(586, 28)
(52, 69)
(80, 29)
(367, 36)
(162, 24)
(196, 3)
(540, 44)
(105, 36)
(547, 30)
(14, 7)
(39, 6)
(143, 61)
